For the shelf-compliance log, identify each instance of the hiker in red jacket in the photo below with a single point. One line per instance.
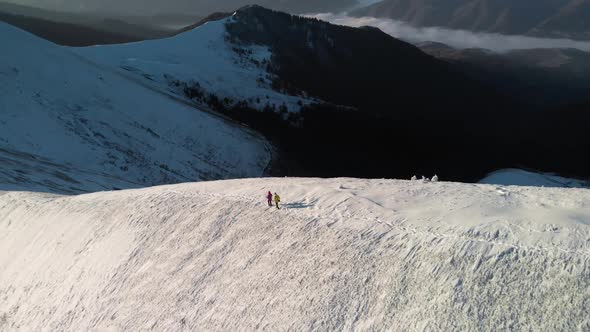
(269, 197)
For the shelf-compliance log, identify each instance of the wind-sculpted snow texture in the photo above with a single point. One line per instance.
(342, 254)
(68, 126)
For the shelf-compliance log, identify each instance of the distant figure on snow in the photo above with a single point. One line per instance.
(277, 200)
(269, 198)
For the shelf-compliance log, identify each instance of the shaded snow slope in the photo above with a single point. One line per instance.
(342, 254)
(67, 126)
(204, 55)
(518, 177)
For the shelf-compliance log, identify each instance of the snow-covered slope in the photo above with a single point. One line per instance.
(204, 55)
(68, 126)
(518, 177)
(342, 254)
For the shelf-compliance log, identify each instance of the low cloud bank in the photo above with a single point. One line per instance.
(455, 38)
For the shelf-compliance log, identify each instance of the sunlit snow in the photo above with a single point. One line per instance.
(342, 254)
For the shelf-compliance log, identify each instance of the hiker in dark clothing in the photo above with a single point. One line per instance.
(269, 197)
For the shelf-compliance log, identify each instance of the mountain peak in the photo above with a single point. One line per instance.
(257, 11)
(253, 7)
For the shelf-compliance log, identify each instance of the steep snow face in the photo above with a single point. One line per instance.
(518, 177)
(342, 254)
(203, 55)
(68, 126)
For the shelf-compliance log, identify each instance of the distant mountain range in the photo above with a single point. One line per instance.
(80, 23)
(200, 7)
(543, 18)
(85, 29)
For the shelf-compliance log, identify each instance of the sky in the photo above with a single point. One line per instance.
(455, 38)
(201, 7)
(398, 29)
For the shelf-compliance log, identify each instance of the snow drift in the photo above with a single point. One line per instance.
(342, 254)
(70, 126)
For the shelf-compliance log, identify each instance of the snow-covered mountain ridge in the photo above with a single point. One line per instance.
(69, 126)
(203, 59)
(518, 177)
(342, 254)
